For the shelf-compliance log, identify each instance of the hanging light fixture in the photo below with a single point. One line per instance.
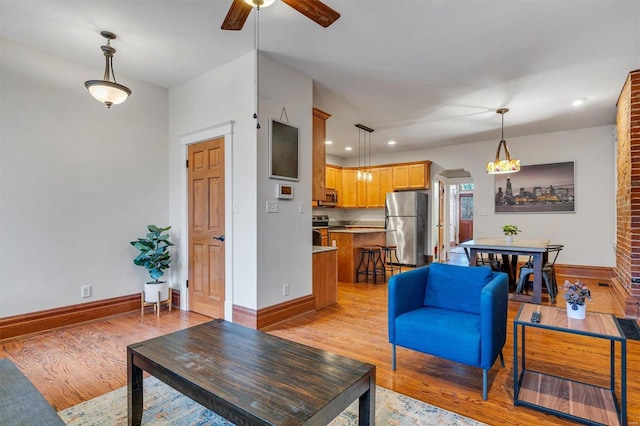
(259, 3)
(107, 91)
(364, 139)
(507, 165)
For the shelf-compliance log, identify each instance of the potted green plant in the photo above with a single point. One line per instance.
(510, 231)
(576, 294)
(154, 256)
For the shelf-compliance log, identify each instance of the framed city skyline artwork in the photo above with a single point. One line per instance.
(539, 188)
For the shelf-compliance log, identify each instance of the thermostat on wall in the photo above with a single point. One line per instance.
(284, 192)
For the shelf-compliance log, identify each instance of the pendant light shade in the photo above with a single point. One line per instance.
(508, 165)
(107, 90)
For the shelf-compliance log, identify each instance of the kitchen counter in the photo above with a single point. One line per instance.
(360, 230)
(322, 249)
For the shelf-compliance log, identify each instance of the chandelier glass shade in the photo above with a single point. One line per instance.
(506, 165)
(364, 155)
(107, 90)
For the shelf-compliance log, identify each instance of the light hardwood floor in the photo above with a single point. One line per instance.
(78, 363)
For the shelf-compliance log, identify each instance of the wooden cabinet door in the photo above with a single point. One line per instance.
(386, 184)
(339, 186)
(348, 194)
(330, 177)
(417, 176)
(373, 189)
(401, 177)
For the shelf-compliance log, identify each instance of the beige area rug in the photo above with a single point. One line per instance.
(165, 406)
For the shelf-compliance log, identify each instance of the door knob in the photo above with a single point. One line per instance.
(220, 238)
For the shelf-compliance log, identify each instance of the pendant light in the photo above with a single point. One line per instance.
(364, 139)
(107, 91)
(507, 165)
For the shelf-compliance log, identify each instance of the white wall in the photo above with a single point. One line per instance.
(77, 181)
(284, 238)
(267, 250)
(589, 234)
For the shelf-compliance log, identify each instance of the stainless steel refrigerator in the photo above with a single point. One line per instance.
(406, 214)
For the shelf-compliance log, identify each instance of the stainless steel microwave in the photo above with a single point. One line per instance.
(330, 198)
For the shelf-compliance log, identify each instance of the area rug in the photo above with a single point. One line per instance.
(629, 328)
(165, 406)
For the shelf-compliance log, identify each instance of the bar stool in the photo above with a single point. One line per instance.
(388, 253)
(370, 264)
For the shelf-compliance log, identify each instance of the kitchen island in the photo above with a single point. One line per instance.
(349, 241)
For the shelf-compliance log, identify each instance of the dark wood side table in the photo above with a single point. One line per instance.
(577, 401)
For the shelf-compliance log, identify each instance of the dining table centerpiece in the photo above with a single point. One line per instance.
(576, 294)
(510, 231)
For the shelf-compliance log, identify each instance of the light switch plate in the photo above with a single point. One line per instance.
(272, 207)
(300, 207)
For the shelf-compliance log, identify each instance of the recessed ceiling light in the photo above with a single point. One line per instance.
(328, 142)
(578, 101)
(391, 143)
(348, 148)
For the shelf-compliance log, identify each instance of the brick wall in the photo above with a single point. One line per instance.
(627, 267)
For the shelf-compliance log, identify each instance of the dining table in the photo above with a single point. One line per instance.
(510, 250)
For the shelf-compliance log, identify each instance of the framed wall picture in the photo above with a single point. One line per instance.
(283, 150)
(539, 188)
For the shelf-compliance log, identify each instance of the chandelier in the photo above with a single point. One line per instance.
(507, 165)
(107, 91)
(364, 160)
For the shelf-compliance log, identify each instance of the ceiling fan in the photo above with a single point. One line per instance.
(313, 9)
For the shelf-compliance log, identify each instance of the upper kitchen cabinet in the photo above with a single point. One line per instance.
(412, 176)
(386, 184)
(331, 177)
(347, 197)
(319, 135)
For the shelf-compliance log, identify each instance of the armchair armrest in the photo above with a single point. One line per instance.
(406, 293)
(493, 318)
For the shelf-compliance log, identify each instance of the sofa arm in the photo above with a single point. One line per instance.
(406, 293)
(493, 318)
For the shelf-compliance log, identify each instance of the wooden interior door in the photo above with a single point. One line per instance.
(206, 227)
(465, 215)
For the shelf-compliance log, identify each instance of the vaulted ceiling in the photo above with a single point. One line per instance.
(421, 72)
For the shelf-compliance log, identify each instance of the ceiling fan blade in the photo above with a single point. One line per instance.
(237, 15)
(315, 10)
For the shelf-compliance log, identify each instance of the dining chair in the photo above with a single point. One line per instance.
(548, 272)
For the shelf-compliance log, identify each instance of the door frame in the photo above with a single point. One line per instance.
(222, 130)
(441, 178)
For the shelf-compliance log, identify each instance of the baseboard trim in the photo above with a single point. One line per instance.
(36, 322)
(582, 271)
(627, 304)
(273, 314)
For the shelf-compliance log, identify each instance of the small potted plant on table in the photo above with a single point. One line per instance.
(510, 231)
(576, 294)
(154, 256)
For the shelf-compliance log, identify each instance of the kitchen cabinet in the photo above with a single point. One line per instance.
(331, 177)
(348, 194)
(318, 155)
(386, 184)
(372, 190)
(325, 277)
(412, 176)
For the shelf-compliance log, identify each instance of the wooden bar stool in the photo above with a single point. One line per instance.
(371, 264)
(388, 254)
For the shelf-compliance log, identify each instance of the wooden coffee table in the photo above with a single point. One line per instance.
(250, 377)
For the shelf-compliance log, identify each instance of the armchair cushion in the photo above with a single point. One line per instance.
(448, 334)
(456, 288)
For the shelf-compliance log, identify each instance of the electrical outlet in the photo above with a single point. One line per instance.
(285, 289)
(85, 291)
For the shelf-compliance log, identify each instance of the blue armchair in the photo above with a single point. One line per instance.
(453, 312)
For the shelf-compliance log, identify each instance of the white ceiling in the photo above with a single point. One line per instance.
(421, 72)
